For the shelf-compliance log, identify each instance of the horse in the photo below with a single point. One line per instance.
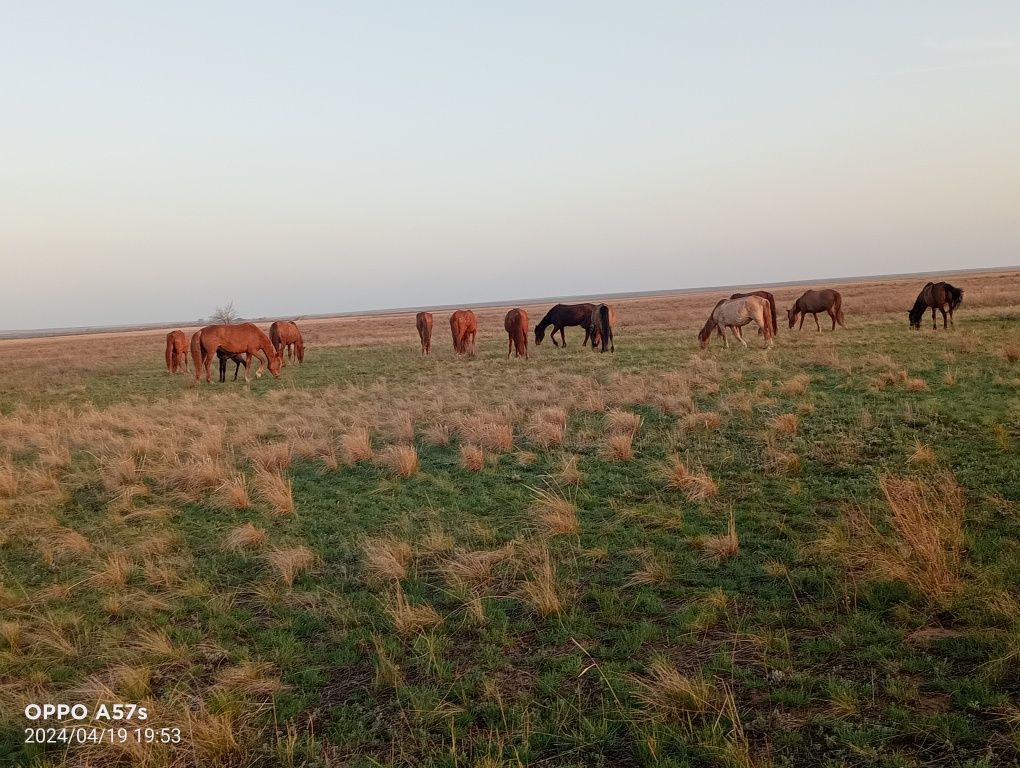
(603, 318)
(516, 324)
(423, 322)
(464, 327)
(734, 314)
(763, 294)
(562, 315)
(940, 296)
(286, 334)
(223, 357)
(176, 352)
(246, 338)
(813, 302)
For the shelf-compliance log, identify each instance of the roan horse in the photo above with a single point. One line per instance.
(224, 357)
(176, 352)
(464, 327)
(813, 302)
(763, 294)
(940, 296)
(603, 318)
(243, 338)
(562, 315)
(423, 322)
(734, 314)
(286, 335)
(516, 324)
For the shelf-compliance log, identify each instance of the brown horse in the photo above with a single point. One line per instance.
(561, 316)
(603, 318)
(464, 327)
(243, 338)
(516, 324)
(224, 357)
(423, 322)
(813, 302)
(286, 334)
(176, 352)
(734, 314)
(940, 296)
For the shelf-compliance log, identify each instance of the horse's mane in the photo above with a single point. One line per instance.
(710, 324)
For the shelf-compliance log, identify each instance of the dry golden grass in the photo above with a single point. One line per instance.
(115, 572)
(568, 472)
(271, 457)
(618, 447)
(244, 537)
(386, 559)
(539, 590)
(697, 486)
(436, 434)
(667, 694)
(545, 433)
(276, 490)
(290, 562)
(59, 544)
(255, 679)
(356, 446)
(921, 454)
(776, 461)
(915, 385)
(1012, 353)
(723, 546)
(235, 492)
(796, 386)
(653, 571)
(402, 460)
(623, 422)
(472, 457)
(473, 569)
(703, 420)
(408, 618)
(786, 423)
(555, 514)
(403, 428)
(949, 379)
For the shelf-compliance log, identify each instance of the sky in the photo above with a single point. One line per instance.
(158, 160)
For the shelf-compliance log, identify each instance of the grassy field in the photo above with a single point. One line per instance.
(666, 556)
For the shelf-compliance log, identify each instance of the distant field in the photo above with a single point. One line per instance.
(666, 556)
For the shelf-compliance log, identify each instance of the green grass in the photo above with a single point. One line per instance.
(808, 662)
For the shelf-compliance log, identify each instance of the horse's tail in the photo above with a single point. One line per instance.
(170, 348)
(300, 347)
(606, 328)
(957, 296)
(196, 353)
(839, 310)
(772, 312)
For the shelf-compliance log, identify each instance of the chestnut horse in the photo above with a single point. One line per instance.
(464, 327)
(243, 338)
(223, 357)
(176, 352)
(734, 314)
(603, 318)
(423, 322)
(286, 334)
(813, 302)
(516, 324)
(562, 315)
(940, 296)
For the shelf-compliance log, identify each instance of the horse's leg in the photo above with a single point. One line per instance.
(740, 335)
(945, 325)
(802, 316)
(832, 315)
(817, 326)
(563, 336)
(612, 347)
(509, 346)
(933, 326)
(951, 323)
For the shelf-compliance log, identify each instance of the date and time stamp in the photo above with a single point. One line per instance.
(71, 724)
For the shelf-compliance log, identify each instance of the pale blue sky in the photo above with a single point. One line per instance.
(158, 159)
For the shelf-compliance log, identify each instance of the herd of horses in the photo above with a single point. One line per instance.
(244, 342)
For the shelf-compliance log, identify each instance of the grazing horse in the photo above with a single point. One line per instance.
(734, 314)
(423, 322)
(603, 318)
(464, 327)
(286, 334)
(940, 296)
(562, 315)
(223, 357)
(243, 338)
(176, 352)
(813, 302)
(765, 295)
(516, 324)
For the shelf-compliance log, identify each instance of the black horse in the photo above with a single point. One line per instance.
(940, 296)
(562, 315)
(223, 356)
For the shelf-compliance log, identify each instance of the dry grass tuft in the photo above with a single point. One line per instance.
(619, 447)
(545, 433)
(703, 420)
(653, 571)
(915, 385)
(568, 472)
(401, 459)
(723, 546)
(271, 457)
(403, 429)
(472, 457)
(949, 379)
(277, 490)
(667, 694)
(255, 679)
(473, 569)
(290, 562)
(386, 559)
(408, 618)
(244, 537)
(1012, 353)
(555, 514)
(623, 422)
(116, 571)
(436, 434)
(61, 544)
(922, 454)
(698, 486)
(539, 590)
(235, 492)
(779, 462)
(796, 386)
(356, 446)
(787, 423)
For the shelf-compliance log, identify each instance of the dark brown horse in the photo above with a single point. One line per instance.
(464, 328)
(516, 324)
(561, 316)
(603, 318)
(940, 296)
(224, 357)
(423, 322)
(286, 335)
(813, 302)
(242, 338)
(764, 295)
(176, 352)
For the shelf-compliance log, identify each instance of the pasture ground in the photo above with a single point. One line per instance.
(670, 557)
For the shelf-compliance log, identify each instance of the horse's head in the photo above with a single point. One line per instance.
(275, 364)
(791, 316)
(915, 320)
(705, 333)
(539, 334)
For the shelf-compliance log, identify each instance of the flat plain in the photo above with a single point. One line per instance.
(665, 556)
